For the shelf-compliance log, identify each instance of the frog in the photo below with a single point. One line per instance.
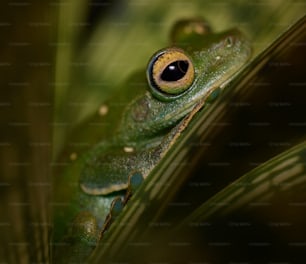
(181, 79)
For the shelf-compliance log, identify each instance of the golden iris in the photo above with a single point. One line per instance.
(171, 72)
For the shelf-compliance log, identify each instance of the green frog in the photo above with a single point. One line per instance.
(181, 79)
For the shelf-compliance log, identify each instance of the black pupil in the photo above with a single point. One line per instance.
(175, 71)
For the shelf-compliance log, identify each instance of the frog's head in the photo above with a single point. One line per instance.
(184, 75)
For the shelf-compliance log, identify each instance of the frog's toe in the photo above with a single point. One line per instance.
(135, 180)
(115, 209)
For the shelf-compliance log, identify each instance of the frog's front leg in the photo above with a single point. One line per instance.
(109, 171)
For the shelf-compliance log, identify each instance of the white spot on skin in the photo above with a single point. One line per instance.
(103, 110)
(73, 156)
(218, 58)
(128, 149)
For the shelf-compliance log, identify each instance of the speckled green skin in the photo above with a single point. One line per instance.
(148, 126)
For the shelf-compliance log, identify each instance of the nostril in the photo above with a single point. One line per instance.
(229, 41)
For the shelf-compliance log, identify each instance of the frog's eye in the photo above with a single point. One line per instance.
(170, 73)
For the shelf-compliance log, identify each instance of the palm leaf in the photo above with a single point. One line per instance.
(153, 206)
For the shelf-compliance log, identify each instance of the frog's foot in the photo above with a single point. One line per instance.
(134, 181)
(116, 208)
(80, 241)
